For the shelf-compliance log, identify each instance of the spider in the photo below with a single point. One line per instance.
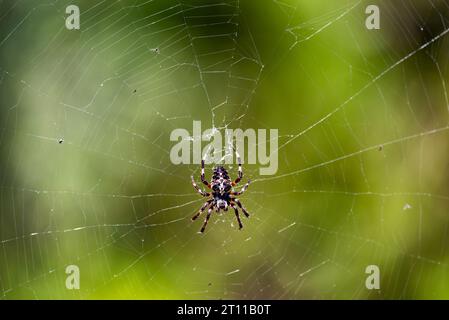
(222, 196)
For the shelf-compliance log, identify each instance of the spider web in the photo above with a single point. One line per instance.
(86, 175)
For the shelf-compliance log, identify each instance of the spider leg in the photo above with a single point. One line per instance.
(203, 207)
(240, 174)
(203, 180)
(237, 216)
(240, 206)
(209, 212)
(243, 189)
(204, 194)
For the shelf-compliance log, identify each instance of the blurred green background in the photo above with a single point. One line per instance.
(86, 178)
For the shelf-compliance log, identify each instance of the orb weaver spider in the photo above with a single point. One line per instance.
(222, 196)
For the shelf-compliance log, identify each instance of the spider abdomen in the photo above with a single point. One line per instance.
(220, 173)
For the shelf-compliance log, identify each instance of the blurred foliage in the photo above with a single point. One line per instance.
(362, 117)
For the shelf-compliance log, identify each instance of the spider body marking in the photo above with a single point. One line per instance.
(222, 195)
(221, 187)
